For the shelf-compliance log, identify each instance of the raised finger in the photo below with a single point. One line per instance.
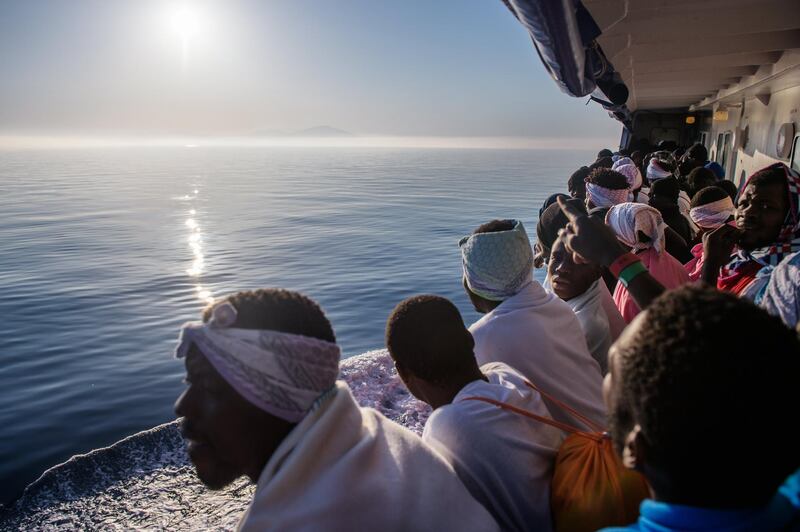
(570, 208)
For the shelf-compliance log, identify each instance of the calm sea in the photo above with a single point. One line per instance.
(104, 253)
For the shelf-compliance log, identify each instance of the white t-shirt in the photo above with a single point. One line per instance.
(505, 459)
(537, 334)
(588, 307)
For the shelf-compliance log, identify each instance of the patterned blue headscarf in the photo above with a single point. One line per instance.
(497, 265)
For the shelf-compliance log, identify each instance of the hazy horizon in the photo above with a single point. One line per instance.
(166, 69)
(472, 142)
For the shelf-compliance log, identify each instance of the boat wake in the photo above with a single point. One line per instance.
(145, 481)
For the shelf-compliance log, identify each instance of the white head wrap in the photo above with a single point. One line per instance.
(280, 373)
(605, 197)
(497, 265)
(628, 219)
(714, 214)
(655, 171)
(632, 174)
(621, 161)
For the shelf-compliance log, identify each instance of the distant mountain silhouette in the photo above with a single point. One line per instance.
(323, 131)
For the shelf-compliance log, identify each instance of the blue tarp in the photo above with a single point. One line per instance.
(564, 34)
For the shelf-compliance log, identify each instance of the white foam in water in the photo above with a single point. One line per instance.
(147, 482)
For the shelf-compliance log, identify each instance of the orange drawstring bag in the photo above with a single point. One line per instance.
(591, 489)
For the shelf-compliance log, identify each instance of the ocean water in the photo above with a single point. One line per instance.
(104, 253)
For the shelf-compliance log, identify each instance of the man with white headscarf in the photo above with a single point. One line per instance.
(641, 228)
(662, 168)
(605, 188)
(659, 169)
(524, 326)
(635, 182)
(712, 207)
(621, 161)
(263, 401)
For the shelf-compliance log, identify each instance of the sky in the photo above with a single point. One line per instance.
(233, 68)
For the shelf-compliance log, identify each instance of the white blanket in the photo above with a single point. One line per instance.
(537, 334)
(782, 295)
(349, 468)
(599, 318)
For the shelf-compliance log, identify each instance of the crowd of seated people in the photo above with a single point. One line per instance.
(734, 240)
(664, 329)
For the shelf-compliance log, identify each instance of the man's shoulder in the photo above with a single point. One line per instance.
(525, 310)
(479, 325)
(504, 384)
(456, 415)
(446, 427)
(465, 414)
(502, 373)
(375, 421)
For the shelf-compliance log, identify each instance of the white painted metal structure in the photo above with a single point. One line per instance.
(732, 64)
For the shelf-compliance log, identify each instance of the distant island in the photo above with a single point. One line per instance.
(322, 131)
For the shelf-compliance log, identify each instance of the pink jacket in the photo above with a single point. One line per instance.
(695, 266)
(664, 267)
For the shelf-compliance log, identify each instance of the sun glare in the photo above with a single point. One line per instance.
(185, 20)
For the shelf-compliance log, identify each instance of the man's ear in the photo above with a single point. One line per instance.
(633, 454)
(413, 384)
(538, 255)
(402, 372)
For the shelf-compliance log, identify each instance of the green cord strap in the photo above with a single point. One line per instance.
(630, 272)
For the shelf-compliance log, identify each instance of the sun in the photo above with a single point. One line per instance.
(185, 20)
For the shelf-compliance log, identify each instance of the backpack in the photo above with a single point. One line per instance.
(591, 489)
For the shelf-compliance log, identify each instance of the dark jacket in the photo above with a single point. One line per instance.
(679, 224)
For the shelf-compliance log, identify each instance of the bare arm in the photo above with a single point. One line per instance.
(590, 240)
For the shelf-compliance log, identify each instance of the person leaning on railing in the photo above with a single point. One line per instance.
(684, 390)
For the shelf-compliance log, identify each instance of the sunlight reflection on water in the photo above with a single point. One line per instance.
(195, 240)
